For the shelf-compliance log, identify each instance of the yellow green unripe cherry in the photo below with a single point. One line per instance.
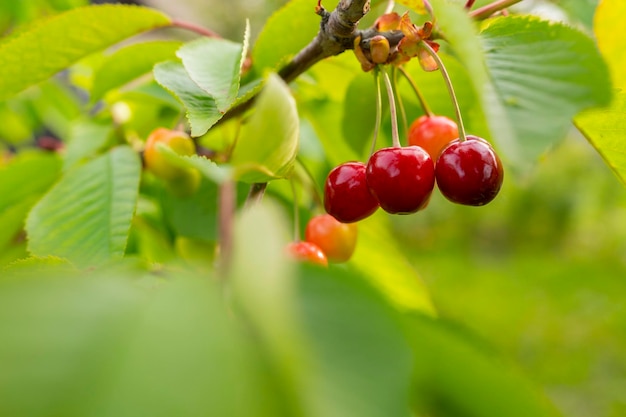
(181, 181)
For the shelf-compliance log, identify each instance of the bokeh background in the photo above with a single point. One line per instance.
(540, 273)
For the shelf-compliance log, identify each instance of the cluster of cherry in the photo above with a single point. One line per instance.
(400, 180)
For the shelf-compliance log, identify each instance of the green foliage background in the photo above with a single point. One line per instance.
(538, 274)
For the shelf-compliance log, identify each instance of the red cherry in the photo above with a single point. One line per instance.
(337, 240)
(346, 196)
(469, 172)
(433, 133)
(401, 179)
(307, 252)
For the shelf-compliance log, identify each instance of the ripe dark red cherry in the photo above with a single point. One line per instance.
(346, 196)
(401, 179)
(469, 172)
(433, 133)
(307, 252)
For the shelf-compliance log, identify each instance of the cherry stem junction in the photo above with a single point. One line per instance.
(379, 109)
(395, 137)
(417, 91)
(448, 81)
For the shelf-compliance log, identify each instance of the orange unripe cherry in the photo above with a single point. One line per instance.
(157, 163)
(433, 133)
(307, 252)
(337, 240)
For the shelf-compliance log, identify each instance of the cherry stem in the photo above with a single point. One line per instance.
(194, 28)
(489, 9)
(296, 211)
(429, 9)
(469, 4)
(379, 109)
(395, 137)
(307, 172)
(390, 5)
(394, 79)
(448, 81)
(417, 91)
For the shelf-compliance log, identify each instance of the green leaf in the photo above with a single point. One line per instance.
(86, 139)
(29, 174)
(202, 111)
(608, 30)
(194, 216)
(359, 112)
(375, 252)
(268, 141)
(416, 5)
(363, 362)
(605, 129)
(462, 35)
(58, 42)
(51, 354)
(187, 340)
(215, 65)
(455, 375)
(333, 340)
(126, 64)
(22, 183)
(104, 346)
(544, 73)
(209, 169)
(286, 32)
(56, 105)
(86, 216)
(321, 101)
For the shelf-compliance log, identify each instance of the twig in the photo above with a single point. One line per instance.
(486, 11)
(338, 30)
(194, 28)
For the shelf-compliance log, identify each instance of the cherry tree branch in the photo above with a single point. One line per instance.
(338, 29)
(484, 12)
(200, 30)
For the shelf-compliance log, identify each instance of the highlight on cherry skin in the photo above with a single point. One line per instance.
(401, 178)
(346, 195)
(469, 172)
(337, 240)
(156, 163)
(306, 252)
(432, 133)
